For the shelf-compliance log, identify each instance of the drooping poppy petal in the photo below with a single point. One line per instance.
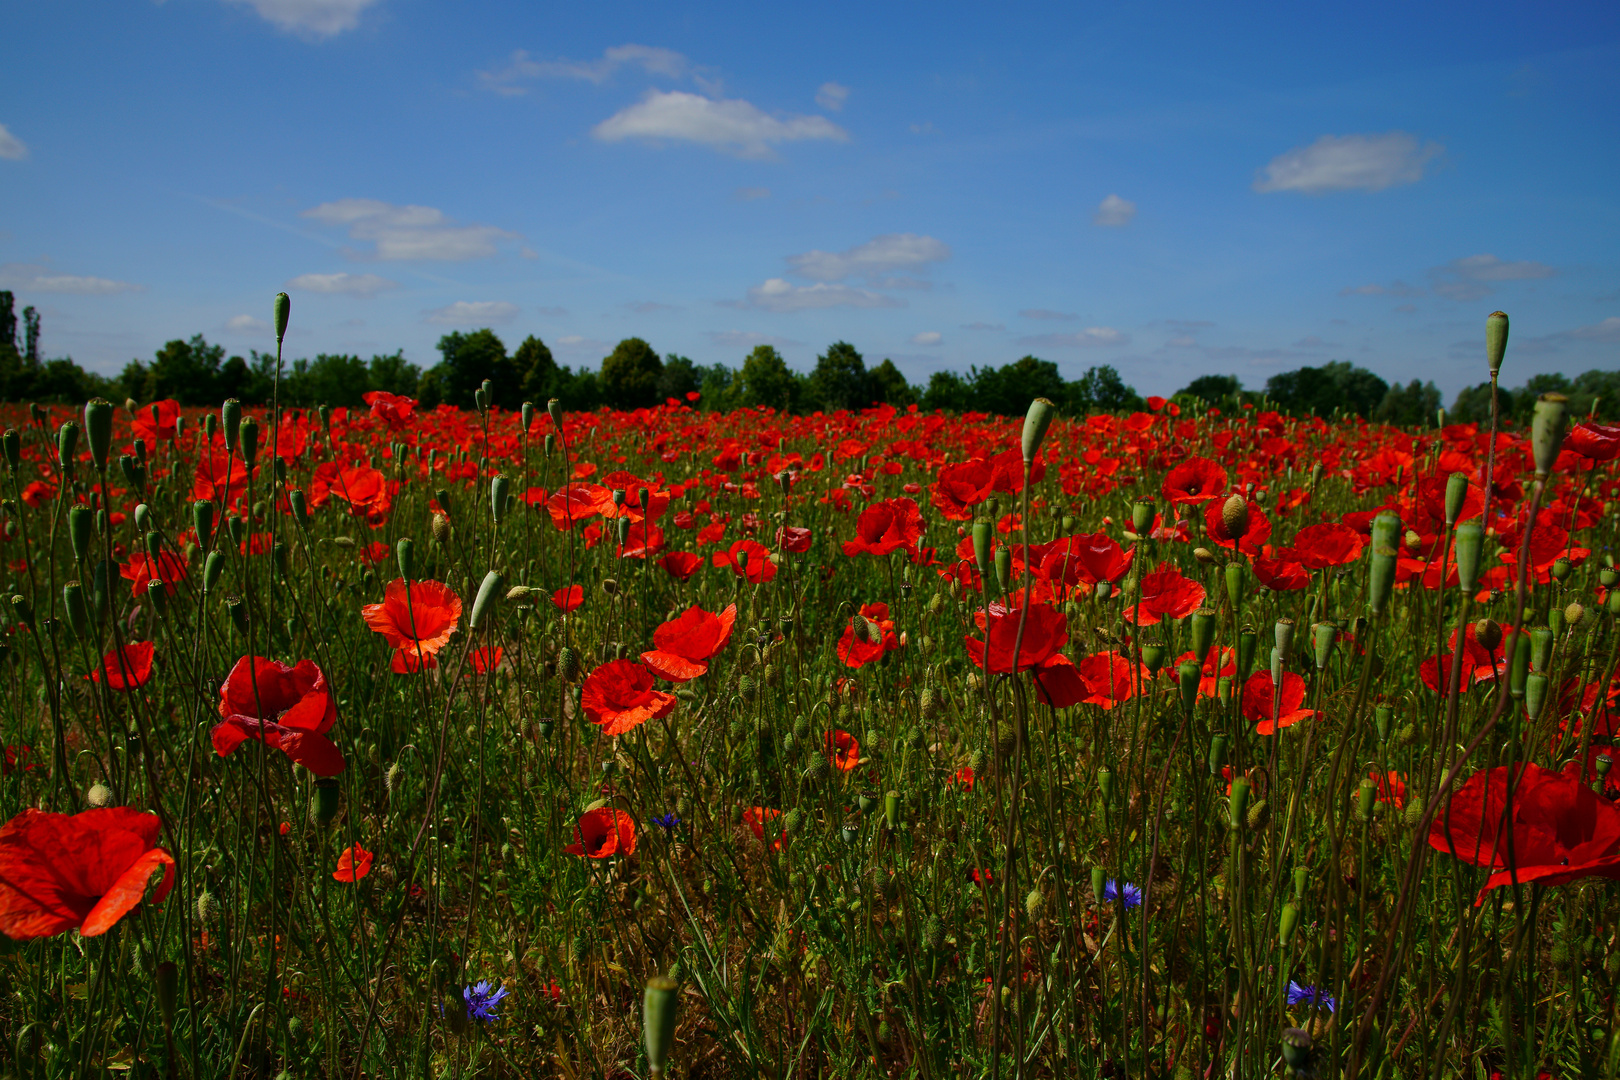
(1045, 632)
(618, 696)
(486, 660)
(755, 818)
(289, 708)
(86, 870)
(418, 614)
(129, 668)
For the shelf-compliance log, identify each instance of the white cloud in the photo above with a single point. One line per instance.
(468, 312)
(728, 126)
(746, 339)
(928, 337)
(342, 284)
(310, 18)
(1606, 331)
(1349, 163)
(1474, 276)
(31, 277)
(893, 251)
(246, 324)
(749, 194)
(11, 147)
(521, 66)
(1044, 313)
(778, 294)
(1092, 337)
(831, 96)
(409, 232)
(1114, 212)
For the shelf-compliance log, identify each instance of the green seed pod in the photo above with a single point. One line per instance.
(891, 809)
(1223, 690)
(1003, 567)
(230, 419)
(1574, 614)
(1285, 637)
(1099, 884)
(819, 770)
(213, 570)
(1469, 545)
(1535, 695)
(500, 496)
(1519, 668)
(1234, 574)
(300, 506)
(1323, 635)
(1105, 784)
(1541, 645)
(207, 907)
(405, 556)
(134, 474)
(1238, 802)
(1296, 1050)
(934, 933)
(1386, 530)
(282, 310)
(1142, 518)
(238, 612)
(328, 795)
(1203, 633)
(78, 614)
(24, 610)
(396, 776)
(1248, 642)
(526, 414)
(1153, 657)
(248, 433)
(1259, 815)
(143, 518)
(1608, 577)
(168, 977)
(1302, 879)
(67, 447)
(1218, 748)
(81, 526)
(1561, 568)
(1412, 816)
(1366, 799)
(491, 587)
(202, 517)
(1036, 421)
(1496, 339)
(1456, 493)
(1188, 674)
(1286, 924)
(569, 665)
(1383, 716)
(1612, 604)
(98, 424)
(554, 407)
(1547, 430)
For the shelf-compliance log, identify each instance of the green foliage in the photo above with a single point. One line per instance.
(1319, 391)
(1417, 404)
(1216, 390)
(1101, 389)
(630, 375)
(839, 380)
(948, 391)
(765, 379)
(888, 386)
(679, 377)
(469, 359)
(538, 371)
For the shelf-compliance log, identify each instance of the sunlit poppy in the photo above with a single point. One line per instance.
(418, 615)
(618, 696)
(289, 708)
(353, 864)
(684, 645)
(127, 669)
(842, 749)
(86, 871)
(603, 832)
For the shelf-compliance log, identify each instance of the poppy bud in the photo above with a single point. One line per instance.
(327, 796)
(1003, 567)
(1488, 634)
(237, 610)
(891, 808)
(1366, 799)
(67, 446)
(569, 665)
(1381, 578)
(1105, 784)
(1612, 604)
(1234, 585)
(1204, 556)
(1153, 657)
(1034, 905)
(11, 446)
(167, 979)
(1099, 884)
(480, 399)
(1217, 754)
(99, 795)
(143, 517)
(554, 407)
(405, 555)
(500, 496)
(1104, 590)
(1142, 518)
(1187, 675)
(1296, 1049)
(98, 420)
(78, 615)
(1573, 614)
(1456, 492)
(441, 530)
(1259, 815)
(1547, 430)
(1235, 517)
(230, 418)
(1535, 695)
(202, 517)
(1203, 633)
(1469, 545)
(248, 434)
(621, 526)
(658, 1021)
(1541, 643)
(526, 414)
(81, 522)
(1286, 924)
(1496, 338)
(1248, 641)
(1323, 636)
(1383, 716)
(1237, 803)
(487, 591)
(23, 610)
(1223, 690)
(1036, 421)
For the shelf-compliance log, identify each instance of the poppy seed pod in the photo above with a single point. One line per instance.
(11, 446)
(569, 664)
(1248, 642)
(1223, 690)
(1496, 339)
(555, 409)
(658, 1021)
(67, 447)
(526, 414)
(158, 593)
(1036, 421)
(81, 526)
(78, 615)
(1235, 516)
(1381, 578)
(1488, 634)
(238, 612)
(1456, 492)
(1203, 633)
(481, 399)
(98, 421)
(621, 528)
(202, 517)
(1187, 675)
(1285, 636)
(1535, 695)
(23, 610)
(1238, 802)
(1296, 1049)
(1104, 590)
(491, 587)
(143, 517)
(213, 570)
(500, 496)
(891, 809)
(1217, 754)
(405, 556)
(230, 418)
(1286, 924)
(1323, 635)
(1105, 784)
(328, 795)
(1099, 884)
(1470, 543)
(1153, 657)
(248, 435)
(1541, 643)
(1547, 430)
(1234, 574)
(1142, 518)
(1386, 530)
(279, 556)
(1366, 799)
(1573, 614)
(1561, 568)
(1003, 567)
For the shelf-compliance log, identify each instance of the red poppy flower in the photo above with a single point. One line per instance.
(1107, 678)
(960, 488)
(168, 568)
(1100, 557)
(681, 565)
(759, 570)
(353, 864)
(421, 615)
(392, 409)
(297, 712)
(1046, 631)
(576, 502)
(374, 554)
(485, 661)
(794, 539)
(1194, 482)
(1594, 442)
(887, 526)
(1435, 670)
(85, 870)
(684, 645)
(408, 661)
(755, 818)
(603, 832)
(619, 696)
(1217, 662)
(568, 597)
(842, 749)
(1562, 830)
(1332, 543)
(857, 652)
(131, 671)
(1165, 594)
(1058, 682)
(963, 778)
(1282, 573)
(150, 429)
(18, 759)
(38, 493)
(1391, 787)
(1251, 542)
(1257, 703)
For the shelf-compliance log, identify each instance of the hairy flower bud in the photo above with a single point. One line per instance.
(1235, 517)
(1036, 421)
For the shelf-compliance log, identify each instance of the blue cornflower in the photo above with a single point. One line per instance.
(666, 821)
(1133, 895)
(1310, 995)
(481, 1001)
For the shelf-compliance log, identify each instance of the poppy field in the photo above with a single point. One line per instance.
(1193, 742)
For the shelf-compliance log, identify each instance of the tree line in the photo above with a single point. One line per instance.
(634, 375)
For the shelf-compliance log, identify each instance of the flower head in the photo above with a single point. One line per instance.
(603, 832)
(1310, 995)
(289, 708)
(666, 822)
(1133, 894)
(86, 870)
(482, 1000)
(421, 615)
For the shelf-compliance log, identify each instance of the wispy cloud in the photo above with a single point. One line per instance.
(342, 284)
(1093, 337)
(522, 67)
(928, 337)
(892, 251)
(648, 307)
(750, 194)
(1476, 276)
(36, 277)
(779, 294)
(1114, 212)
(11, 147)
(247, 325)
(832, 96)
(1399, 288)
(409, 232)
(747, 339)
(984, 326)
(312, 19)
(1349, 163)
(728, 126)
(1045, 313)
(471, 312)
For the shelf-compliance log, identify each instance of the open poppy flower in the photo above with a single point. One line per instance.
(1257, 702)
(297, 712)
(485, 661)
(1107, 679)
(1281, 573)
(842, 749)
(1391, 787)
(1332, 543)
(408, 661)
(1435, 670)
(1594, 442)
(393, 410)
(603, 832)
(884, 527)
(1562, 830)
(759, 568)
(568, 597)
(353, 864)
(684, 645)
(85, 870)
(960, 488)
(681, 565)
(755, 818)
(168, 568)
(149, 428)
(1252, 542)
(619, 696)
(859, 650)
(794, 538)
(1165, 594)
(421, 615)
(129, 668)
(1046, 631)
(1194, 482)
(1099, 555)
(576, 502)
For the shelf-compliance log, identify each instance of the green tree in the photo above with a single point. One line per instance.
(392, 373)
(765, 379)
(1473, 405)
(189, 372)
(1101, 389)
(469, 359)
(1008, 390)
(538, 371)
(1416, 404)
(839, 380)
(630, 374)
(679, 377)
(888, 385)
(579, 390)
(948, 391)
(1320, 390)
(1214, 389)
(720, 388)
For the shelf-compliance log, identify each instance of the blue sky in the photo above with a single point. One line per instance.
(1174, 189)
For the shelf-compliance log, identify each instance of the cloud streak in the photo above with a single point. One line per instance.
(418, 233)
(1349, 163)
(727, 126)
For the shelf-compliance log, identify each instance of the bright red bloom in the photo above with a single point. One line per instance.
(374, 554)
(408, 661)
(576, 501)
(485, 661)
(353, 864)
(130, 671)
(684, 645)
(1046, 631)
(857, 653)
(1257, 701)
(1195, 481)
(887, 526)
(19, 759)
(619, 696)
(568, 597)
(168, 568)
(1217, 662)
(1332, 543)
(960, 488)
(1562, 830)
(842, 749)
(794, 538)
(150, 429)
(1100, 557)
(1391, 787)
(86, 870)
(755, 818)
(1107, 677)
(38, 493)
(1165, 594)
(760, 569)
(421, 615)
(680, 565)
(297, 712)
(392, 409)
(1282, 573)
(603, 832)
(1594, 442)
(1435, 670)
